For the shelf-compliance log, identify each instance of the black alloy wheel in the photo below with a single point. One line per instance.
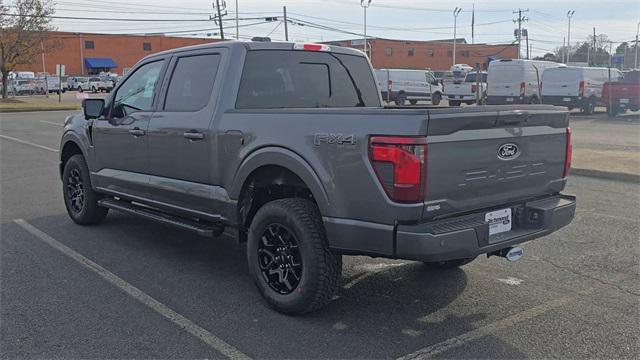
(280, 259)
(75, 190)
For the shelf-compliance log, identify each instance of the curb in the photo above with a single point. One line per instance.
(607, 175)
(19, 110)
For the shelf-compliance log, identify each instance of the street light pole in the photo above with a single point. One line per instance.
(569, 15)
(636, 59)
(365, 4)
(456, 11)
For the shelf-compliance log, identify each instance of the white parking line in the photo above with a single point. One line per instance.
(189, 326)
(501, 324)
(28, 143)
(51, 123)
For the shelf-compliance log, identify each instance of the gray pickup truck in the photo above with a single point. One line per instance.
(288, 147)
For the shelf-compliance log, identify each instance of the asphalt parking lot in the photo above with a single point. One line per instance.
(129, 288)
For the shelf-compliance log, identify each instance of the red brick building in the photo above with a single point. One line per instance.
(434, 55)
(76, 51)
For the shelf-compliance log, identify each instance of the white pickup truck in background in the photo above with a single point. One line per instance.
(467, 90)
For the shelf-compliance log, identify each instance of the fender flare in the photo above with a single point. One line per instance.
(287, 159)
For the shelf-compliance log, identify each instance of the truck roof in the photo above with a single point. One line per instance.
(255, 45)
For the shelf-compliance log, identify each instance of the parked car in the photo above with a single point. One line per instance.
(289, 146)
(74, 82)
(401, 85)
(515, 81)
(619, 96)
(467, 91)
(23, 87)
(108, 83)
(459, 71)
(576, 87)
(95, 84)
(51, 84)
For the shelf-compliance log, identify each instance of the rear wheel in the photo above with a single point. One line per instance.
(435, 99)
(79, 198)
(534, 100)
(289, 256)
(589, 107)
(449, 264)
(400, 99)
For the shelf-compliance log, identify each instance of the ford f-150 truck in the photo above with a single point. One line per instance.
(623, 95)
(468, 91)
(289, 147)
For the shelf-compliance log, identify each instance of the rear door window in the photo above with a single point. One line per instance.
(305, 79)
(192, 82)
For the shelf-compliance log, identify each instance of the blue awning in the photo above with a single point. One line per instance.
(99, 63)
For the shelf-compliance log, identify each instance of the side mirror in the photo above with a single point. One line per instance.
(92, 108)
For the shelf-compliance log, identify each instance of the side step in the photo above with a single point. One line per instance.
(200, 228)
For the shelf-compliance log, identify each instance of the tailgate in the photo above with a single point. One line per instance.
(493, 157)
(458, 89)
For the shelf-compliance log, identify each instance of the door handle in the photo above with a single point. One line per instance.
(137, 132)
(193, 135)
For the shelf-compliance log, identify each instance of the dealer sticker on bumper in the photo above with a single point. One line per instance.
(499, 221)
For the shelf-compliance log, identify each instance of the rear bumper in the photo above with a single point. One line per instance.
(506, 100)
(568, 101)
(461, 97)
(453, 238)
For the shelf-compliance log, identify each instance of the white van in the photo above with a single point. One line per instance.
(400, 85)
(515, 81)
(576, 87)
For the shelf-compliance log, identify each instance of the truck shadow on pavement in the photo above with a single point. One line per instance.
(389, 313)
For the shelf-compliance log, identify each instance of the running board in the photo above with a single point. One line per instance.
(200, 228)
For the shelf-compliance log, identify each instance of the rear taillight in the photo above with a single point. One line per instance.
(474, 88)
(581, 89)
(400, 165)
(567, 156)
(522, 87)
(311, 47)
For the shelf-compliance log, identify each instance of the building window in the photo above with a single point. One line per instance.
(430, 52)
(89, 44)
(146, 46)
(465, 53)
(388, 51)
(450, 53)
(410, 52)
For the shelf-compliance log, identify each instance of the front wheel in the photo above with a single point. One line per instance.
(435, 99)
(79, 198)
(289, 256)
(449, 264)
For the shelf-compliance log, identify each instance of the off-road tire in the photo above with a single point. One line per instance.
(449, 264)
(321, 268)
(90, 213)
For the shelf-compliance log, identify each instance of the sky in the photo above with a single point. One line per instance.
(343, 19)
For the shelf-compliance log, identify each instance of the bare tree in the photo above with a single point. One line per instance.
(24, 30)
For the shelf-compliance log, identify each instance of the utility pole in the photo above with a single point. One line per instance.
(219, 9)
(569, 15)
(528, 58)
(286, 29)
(610, 53)
(365, 4)
(564, 45)
(456, 12)
(237, 23)
(595, 50)
(519, 21)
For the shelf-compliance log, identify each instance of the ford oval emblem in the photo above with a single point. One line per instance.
(508, 151)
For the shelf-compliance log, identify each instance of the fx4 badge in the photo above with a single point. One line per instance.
(338, 139)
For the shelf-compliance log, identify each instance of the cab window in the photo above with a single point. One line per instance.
(136, 93)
